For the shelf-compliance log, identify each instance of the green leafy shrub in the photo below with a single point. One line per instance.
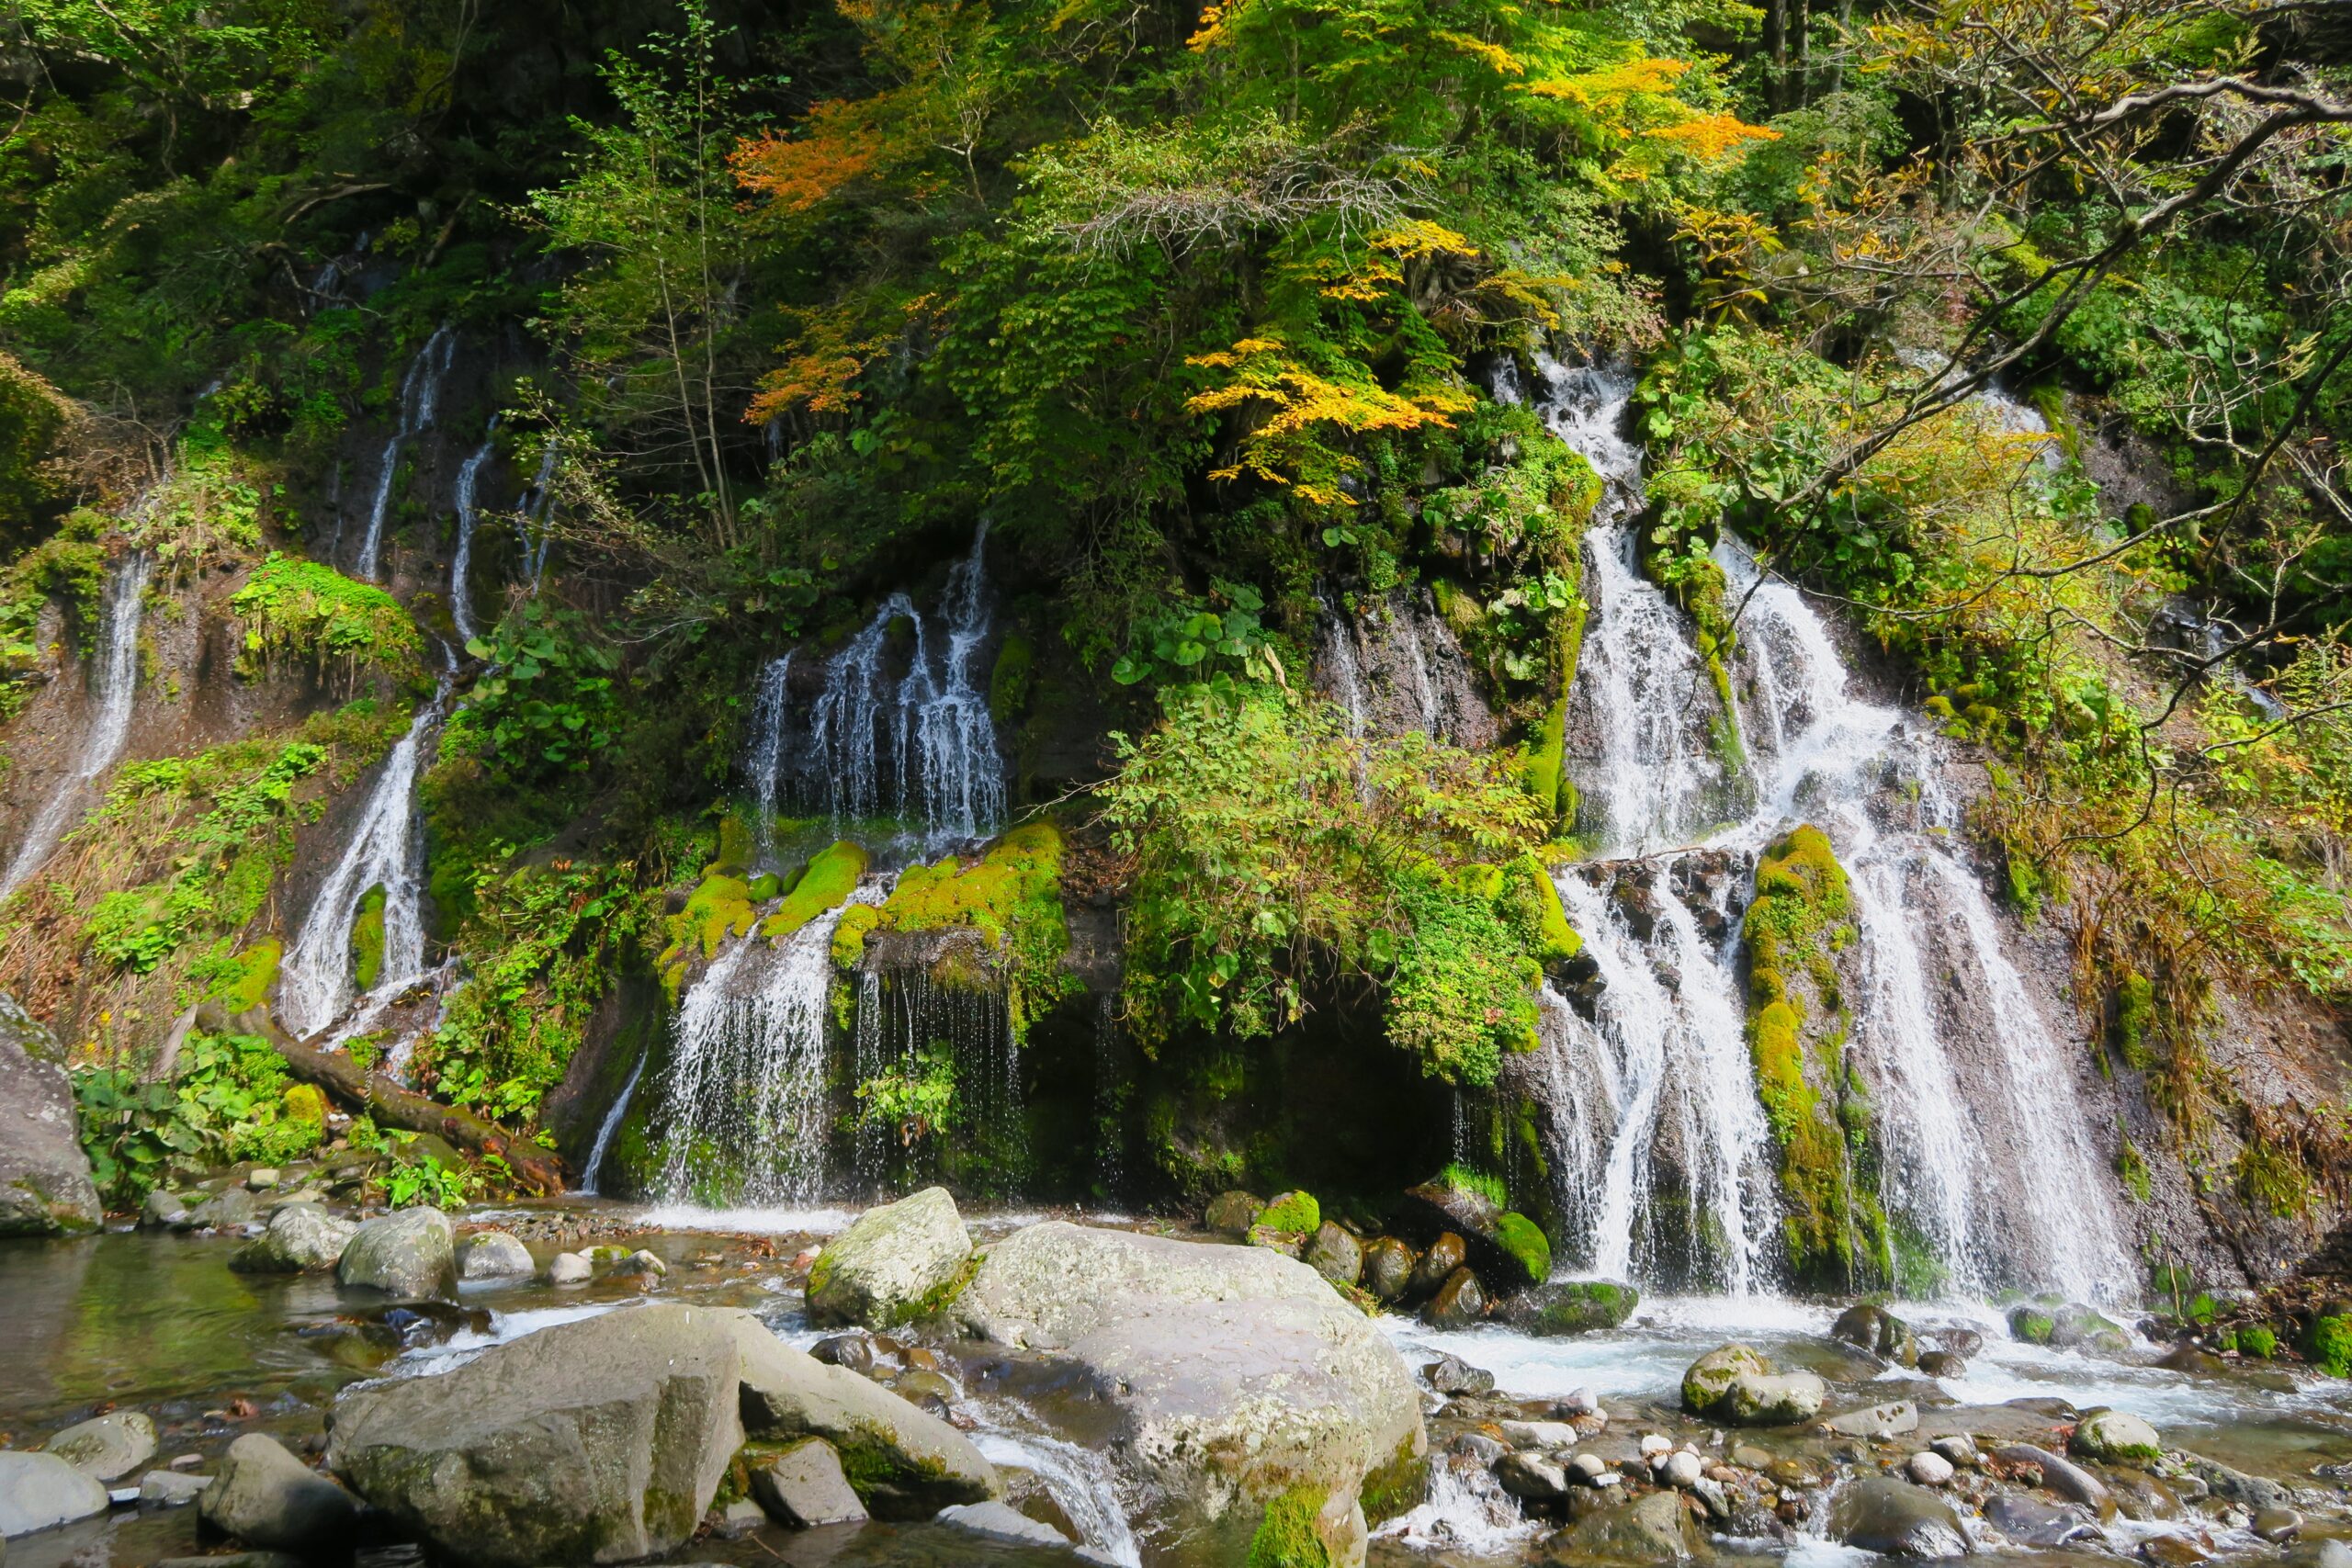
(230, 1100)
(546, 706)
(304, 610)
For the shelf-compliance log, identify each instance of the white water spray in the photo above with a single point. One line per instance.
(420, 402)
(461, 603)
(113, 687)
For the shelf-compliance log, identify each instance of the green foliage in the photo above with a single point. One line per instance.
(1195, 643)
(2258, 1341)
(429, 1184)
(1486, 1185)
(1287, 1536)
(545, 707)
(230, 1099)
(1275, 852)
(66, 566)
(542, 943)
(2327, 1343)
(310, 611)
(915, 1099)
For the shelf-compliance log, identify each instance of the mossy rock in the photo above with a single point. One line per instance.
(2031, 1325)
(2259, 1341)
(368, 940)
(2327, 1344)
(1291, 1534)
(1542, 770)
(1572, 1306)
(246, 982)
(1295, 1213)
(1011, 898)
(826, 884)
(736, 848)
(305, 1103)
(1011, 679)
(2112, 1436)
(857, 922)
(1523, 1242)
(766, 886)
(1710, 1378)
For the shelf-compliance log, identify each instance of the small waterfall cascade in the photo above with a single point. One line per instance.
(770, 713)
(1396, 667)
(744, 1098)
(607, 1130)
(920, 746)
(1082, 1481)
(910, 1026)
(461, 563)
(1662, 1157)
(113, 690)
(386, 849)
(420, 403)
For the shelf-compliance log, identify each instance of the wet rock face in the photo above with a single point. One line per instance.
(266, 1498)
(597, 1441)
(45, 1188)
(408, 1254)
(1895, 1518)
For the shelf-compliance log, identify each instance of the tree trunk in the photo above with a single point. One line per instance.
(535, 1170)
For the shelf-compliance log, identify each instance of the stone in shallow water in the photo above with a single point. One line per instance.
(266, 1498)
(1890, 1420)
(39, 1491)
(1001, 1521)
(569, 1268)
(1571, 1306)
(1532, 1476)
(1896, 1519)
(1649, 1529)
(2069, 1480)
(2034, 1521)
(494, 1255)
(1460, 1301)
(889, 1265)
(804, 1487)
(1451, 1375)
(2113, 1436)
(302, 1238)
(171, 1488)
(412, 1253)
(1930, 1470)
(107, 1447)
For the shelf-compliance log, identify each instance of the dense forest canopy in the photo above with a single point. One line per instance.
(1212, 315)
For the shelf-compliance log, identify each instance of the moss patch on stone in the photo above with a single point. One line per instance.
(368, 940)
(1287, 1536)
(246, 982)
(1011, 679)
(1012, 897)
(2328, 1346)
(1296, 1212)
(1832, 1226)
(1525, 1240)
(827, 884)
(849, 936)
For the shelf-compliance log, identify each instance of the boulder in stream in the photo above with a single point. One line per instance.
(266, 1498)
(1879, 1331)
(1231, 1214)
(1388, 1268)
(600, 1440)
(45, 1188)
(411, 1253)
(40, 1492)
(2112, 1437)
(1655, 1529)
(1895, 1518)
(803, 1486)
(898, 1263)
(302, 1238)
(1570, 1306)
(107, 1447)
(494, 1255)
(1243, 1387)
(1735, 1383)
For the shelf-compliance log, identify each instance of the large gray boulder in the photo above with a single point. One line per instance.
(494, 1255)
(1735, 1383)
(601, 1440)
(302, 1238)
(45, 1188)
(412, 1253)
(40, 1492)
(909, 1462)
(896, 1262)
(1238, 1375)
(107, 1447)
(266, 1498)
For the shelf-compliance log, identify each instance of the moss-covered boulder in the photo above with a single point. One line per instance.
(896, 1262)
(826, 884)
(1507, 1250)
(1571, 1306)
(1296, 1213)
(2112, 1437)
(1737, 1385)
(2067, 1326)
(2327, 1343)
(597, 1441)
(1010, 899)
(1231, 1214)
(1873, 1328)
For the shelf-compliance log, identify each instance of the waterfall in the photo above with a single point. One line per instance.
(606, 1130)
(461, 607)
(901, 1024)
(1646, 1084)
(420, 400)
(1082, 1481)
(386, 849)
(537, 503)
(744, 1096)
(1397, 668)
(922, 747)
(113, 687)
(770, 714)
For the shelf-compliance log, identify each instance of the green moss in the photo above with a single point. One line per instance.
(2135, 1017)
(1584, 1306)
(718, 909)
(1833, 1228)
(736, 848)
(1012, 899)
(2031, 1325)
(1533, 903)
(849, 936)
(305, 1103)
(368, 940)
(2259, 1341)
(1296, 1212)
(830, 878)
(1544, 769)
(244, 982)
(306, 610)
(2328, 1346)
(2132, 1168)
(1010, 682)
(1525, 1241)
(1287, 1536)
(1466, 1179)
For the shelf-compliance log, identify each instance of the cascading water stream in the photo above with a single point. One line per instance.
(461, 605)
(113, 687)
(607, 1130)
(386, 849)
(922, 748)
(1650, 1082)
(420, 402)
(743, 1098)
(770, 714)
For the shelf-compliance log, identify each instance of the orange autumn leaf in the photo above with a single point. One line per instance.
(838, 144)
(1708, 137)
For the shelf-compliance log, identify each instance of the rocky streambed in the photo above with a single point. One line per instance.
(589, 1383)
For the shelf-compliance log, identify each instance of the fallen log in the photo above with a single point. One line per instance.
(534, 1169)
